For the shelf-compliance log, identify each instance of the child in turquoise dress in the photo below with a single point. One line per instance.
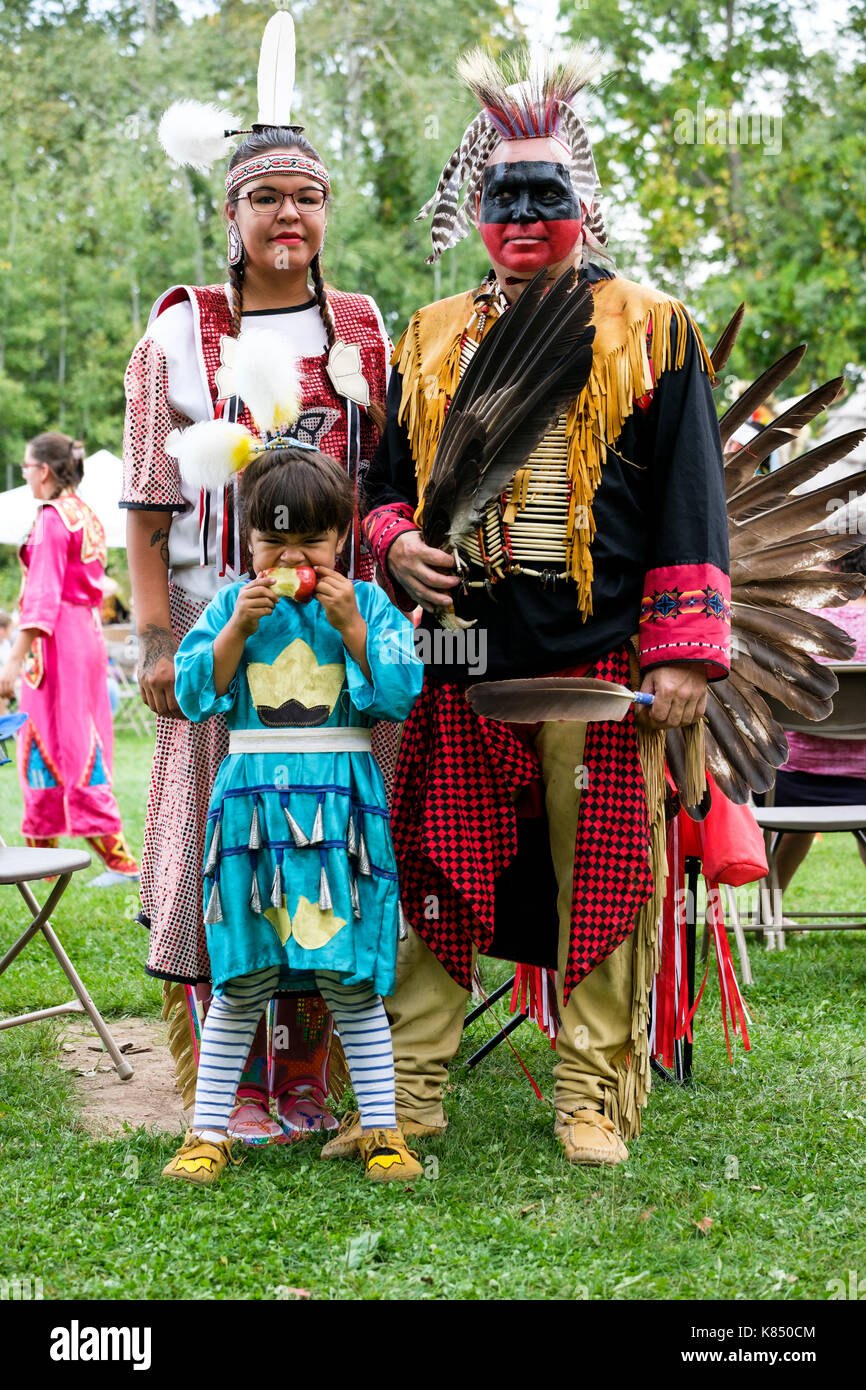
(300, 882)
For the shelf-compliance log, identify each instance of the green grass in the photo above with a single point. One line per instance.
(772, 1149)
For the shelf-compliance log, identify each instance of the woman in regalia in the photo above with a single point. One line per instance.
(185, 544)
(65, 750)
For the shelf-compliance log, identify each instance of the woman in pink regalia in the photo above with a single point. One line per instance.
(65, 750)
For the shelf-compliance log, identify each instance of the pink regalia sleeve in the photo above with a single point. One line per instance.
(47, 555)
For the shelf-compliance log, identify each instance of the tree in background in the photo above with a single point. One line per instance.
(94, 224)
(735, 203)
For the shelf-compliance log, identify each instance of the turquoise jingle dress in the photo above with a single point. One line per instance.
(299, 868)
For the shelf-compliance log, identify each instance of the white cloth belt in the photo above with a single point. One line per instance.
(333, 740)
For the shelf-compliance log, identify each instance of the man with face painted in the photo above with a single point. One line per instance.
(616, 525)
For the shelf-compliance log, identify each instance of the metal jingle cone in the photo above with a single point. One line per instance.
(255, 832)
(318, 834)
(325, 900)
(351, 837)
(213, 853)
(301, 840)
(353, 894)
(255, 895)
(214, 913)
(277, 887)
(364, 866)
(402, 925)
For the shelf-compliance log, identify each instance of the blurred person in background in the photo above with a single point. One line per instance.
(825, 771)
(65, 750)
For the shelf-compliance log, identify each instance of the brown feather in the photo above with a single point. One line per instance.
(786, 427)
(804, 553)
(722, 351)
(790, 695)
(792, 627)
(763, 733)
(808, 589)
(741, 474)
(773, 489)
(801, 513)
(729, 782)
(745, 759)
(760, 710)
(756, 394)
(786, 664)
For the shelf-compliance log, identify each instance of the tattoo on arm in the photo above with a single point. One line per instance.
(160, 538)
(156, 643)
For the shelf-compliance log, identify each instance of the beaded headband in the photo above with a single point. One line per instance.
(276, 163)
(286, 441)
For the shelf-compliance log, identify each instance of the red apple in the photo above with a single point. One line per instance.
(298, 582)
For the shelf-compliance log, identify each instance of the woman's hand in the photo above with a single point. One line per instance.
(418, 567)
(8, 676)
(255, 601)
(157, 647)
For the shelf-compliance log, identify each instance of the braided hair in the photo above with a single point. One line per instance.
(260, 142)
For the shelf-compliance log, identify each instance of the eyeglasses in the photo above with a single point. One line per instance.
(25, 466)
(273, 201)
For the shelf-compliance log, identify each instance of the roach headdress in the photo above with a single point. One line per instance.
(527, 96)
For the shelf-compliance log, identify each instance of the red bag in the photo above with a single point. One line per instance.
(729, 842)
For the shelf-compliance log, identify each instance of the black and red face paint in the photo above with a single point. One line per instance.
(530, 215)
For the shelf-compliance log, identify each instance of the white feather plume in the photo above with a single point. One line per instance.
(276, 78)
(267, 380)
(212, 451)
(193, 133)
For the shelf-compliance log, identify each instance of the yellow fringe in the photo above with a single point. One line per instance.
(623, 370)
(338, 1070)
(696, 765)
(180, 1043)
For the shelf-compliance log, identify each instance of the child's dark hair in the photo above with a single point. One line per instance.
(294, 490)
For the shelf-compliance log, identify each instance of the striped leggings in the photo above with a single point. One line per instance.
(231, 1023)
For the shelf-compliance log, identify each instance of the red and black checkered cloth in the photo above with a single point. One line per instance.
(454, 827)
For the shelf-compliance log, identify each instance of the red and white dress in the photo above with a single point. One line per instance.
(180, 373)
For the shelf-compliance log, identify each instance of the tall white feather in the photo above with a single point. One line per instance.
(276, 83)
(266, 379)
(193, 133)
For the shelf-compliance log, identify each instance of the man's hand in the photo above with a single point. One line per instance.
(156, 671)
(680, 695)
(418, 567)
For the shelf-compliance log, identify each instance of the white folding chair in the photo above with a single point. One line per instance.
(847, 721)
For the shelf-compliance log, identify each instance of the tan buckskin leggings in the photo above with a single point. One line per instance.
(427, 1006)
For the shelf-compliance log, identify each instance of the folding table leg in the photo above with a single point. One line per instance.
(84, 1002)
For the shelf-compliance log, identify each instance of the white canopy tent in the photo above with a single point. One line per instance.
(100, 489)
